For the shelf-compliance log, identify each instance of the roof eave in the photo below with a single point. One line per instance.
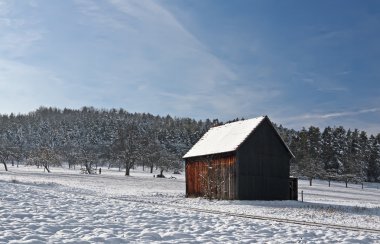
(209, 154)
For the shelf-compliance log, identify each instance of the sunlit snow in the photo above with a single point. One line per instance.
(224, 138)
(66, 206)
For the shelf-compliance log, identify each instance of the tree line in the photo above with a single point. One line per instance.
(334, 153)
(90, 137)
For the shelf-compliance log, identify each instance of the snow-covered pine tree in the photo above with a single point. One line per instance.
(362, 166)
(328, 151)
(373, 172)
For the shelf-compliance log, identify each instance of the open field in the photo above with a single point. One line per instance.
(66, 206)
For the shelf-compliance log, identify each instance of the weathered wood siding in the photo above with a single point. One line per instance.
(215, 176)
(263, 162)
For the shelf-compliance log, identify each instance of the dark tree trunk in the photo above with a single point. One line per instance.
(128, 166)
(311, 181)
(5, 166)
(151, 168)
(47, 168)
(88, 168)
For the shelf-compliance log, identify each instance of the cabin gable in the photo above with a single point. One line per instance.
(263, 165)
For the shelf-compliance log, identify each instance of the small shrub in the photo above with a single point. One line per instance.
(14, 181)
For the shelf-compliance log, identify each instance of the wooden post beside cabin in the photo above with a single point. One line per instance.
(246, 160)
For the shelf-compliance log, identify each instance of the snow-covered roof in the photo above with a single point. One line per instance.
(224, 138)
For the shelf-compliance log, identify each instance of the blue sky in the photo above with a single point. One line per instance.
(300, 62)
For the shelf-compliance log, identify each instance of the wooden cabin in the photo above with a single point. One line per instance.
(246, 160)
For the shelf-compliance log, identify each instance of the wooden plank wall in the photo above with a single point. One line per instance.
(263, 166)
(211, 177)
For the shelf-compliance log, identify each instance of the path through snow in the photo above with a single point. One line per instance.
(40, 213)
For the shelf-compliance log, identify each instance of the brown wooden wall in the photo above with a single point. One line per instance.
(212, 177)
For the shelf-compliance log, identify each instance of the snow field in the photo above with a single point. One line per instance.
(68, 207)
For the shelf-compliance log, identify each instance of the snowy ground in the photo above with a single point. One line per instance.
(66, 206)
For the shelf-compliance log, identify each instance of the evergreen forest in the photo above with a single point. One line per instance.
(88, 138)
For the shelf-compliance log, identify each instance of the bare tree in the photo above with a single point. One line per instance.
(19, 151)
(126, 147)
(7, 153)
(87, 158)
(44, 157)
(164, 161)
(153, 154)
(4, 156)
(72, 158)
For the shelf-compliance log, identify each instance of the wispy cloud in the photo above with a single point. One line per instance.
(133, 54)
(322, 82)
(18, 34)
(93, 9)
(333, 89)
(4, 10)
(363, 119)
(159, 48)
(18, 44)
(307, 117)
(159, 57)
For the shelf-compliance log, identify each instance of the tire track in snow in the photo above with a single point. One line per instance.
(255, 217)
